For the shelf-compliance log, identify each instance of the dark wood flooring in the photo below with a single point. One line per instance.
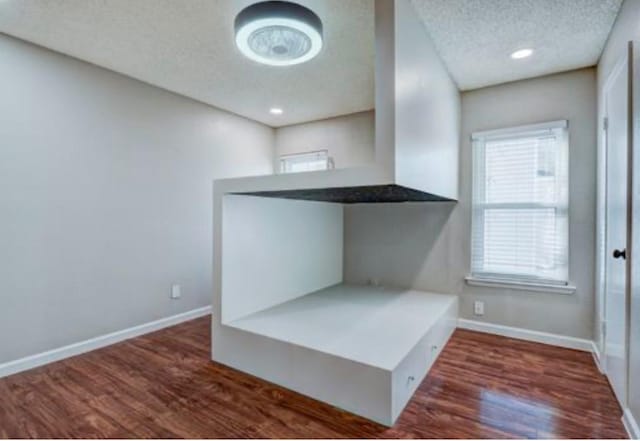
(163, 385)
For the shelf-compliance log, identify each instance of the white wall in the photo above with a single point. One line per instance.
(350, 139)
(427, 246)
(275, 250)
(625, 29)
(105, 190)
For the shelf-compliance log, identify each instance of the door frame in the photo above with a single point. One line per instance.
(633, 183)
(632, 60)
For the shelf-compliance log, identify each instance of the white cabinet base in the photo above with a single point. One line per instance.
(362, 349)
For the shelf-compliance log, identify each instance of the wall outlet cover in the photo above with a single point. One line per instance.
(175, 291)
(478, 307)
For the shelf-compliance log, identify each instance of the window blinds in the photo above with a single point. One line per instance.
(520, 204)
(304, 162)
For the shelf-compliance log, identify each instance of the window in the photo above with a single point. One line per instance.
(304, 162)
(520, 204)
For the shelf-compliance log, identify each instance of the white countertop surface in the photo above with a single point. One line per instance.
(373, 325)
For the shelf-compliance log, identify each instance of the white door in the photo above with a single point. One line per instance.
(633, 246)
(616, 137)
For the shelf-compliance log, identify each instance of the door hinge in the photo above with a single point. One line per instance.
(605, 123)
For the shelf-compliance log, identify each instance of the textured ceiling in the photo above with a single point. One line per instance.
(187, 46)
(476, 37)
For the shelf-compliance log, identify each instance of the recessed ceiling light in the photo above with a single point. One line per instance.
(278, 33)
(276, 111)
(522, 53)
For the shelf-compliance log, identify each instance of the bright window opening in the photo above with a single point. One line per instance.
(520, 204)
(305, 162)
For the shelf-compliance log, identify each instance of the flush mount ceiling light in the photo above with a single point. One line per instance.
(276, 111)
(522, 53)
(278, 33)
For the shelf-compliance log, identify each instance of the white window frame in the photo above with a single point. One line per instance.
(286, 161)
(524, 282)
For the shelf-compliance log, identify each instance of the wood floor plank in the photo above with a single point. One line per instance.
(163, 385)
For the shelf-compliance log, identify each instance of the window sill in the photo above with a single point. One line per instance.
(525, 286)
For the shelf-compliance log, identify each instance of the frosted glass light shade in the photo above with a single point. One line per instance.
(278, 33)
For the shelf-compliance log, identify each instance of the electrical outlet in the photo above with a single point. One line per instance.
(176, 292)
(478, 307)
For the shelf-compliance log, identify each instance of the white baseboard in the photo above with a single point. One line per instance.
(630, 424)
(43, 358)
(597, 357)
(527, 334)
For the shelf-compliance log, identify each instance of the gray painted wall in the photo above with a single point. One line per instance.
(350, 139)
(624, 30)
(106, 198)
(427, 246)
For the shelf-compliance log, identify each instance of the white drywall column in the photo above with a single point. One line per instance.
(427, 110)
(385, 90)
